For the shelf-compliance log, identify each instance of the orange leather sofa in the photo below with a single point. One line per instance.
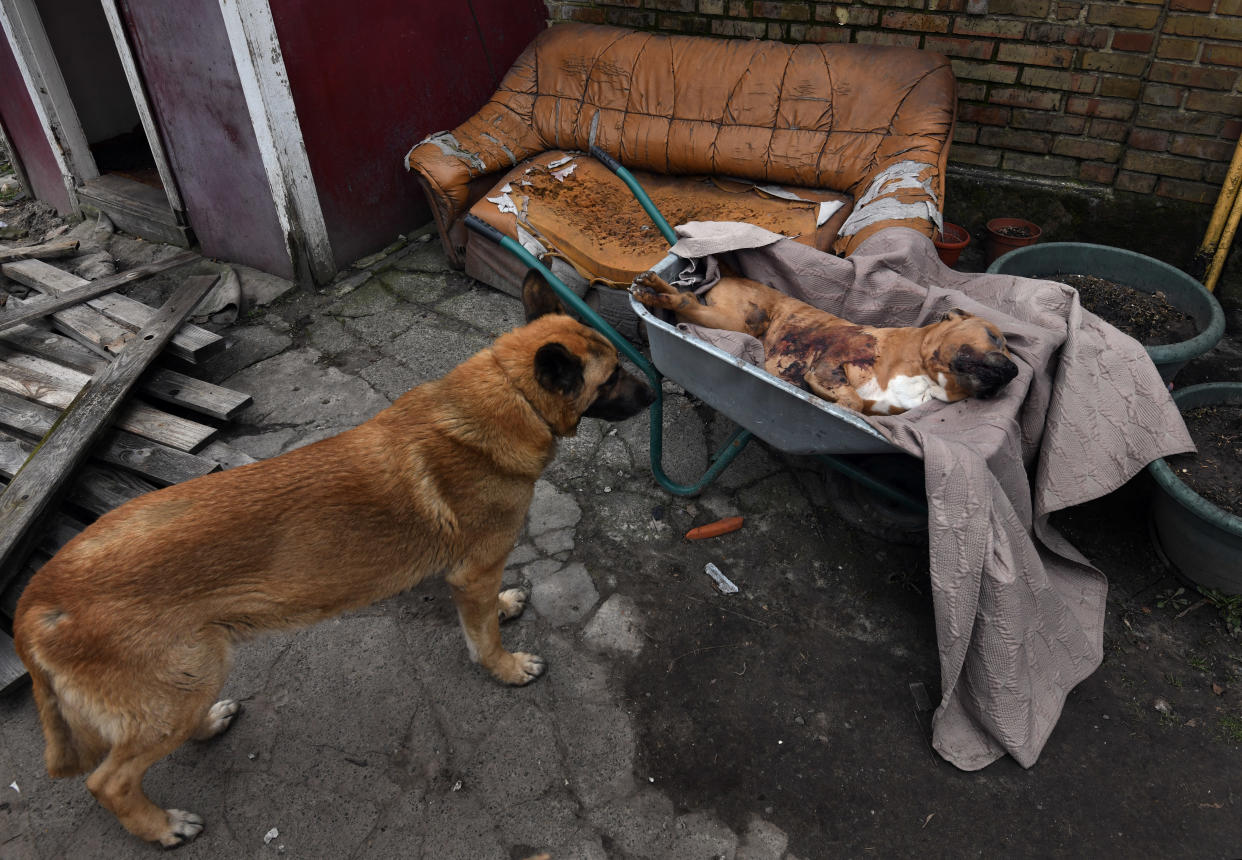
(714, 129)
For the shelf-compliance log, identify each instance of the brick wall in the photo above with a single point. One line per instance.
(1142, 96)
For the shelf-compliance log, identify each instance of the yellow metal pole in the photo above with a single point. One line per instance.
(1222, 247)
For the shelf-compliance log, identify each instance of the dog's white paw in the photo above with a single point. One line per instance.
(219, 718)
(182, 827)
(512, 602)
(525, 668)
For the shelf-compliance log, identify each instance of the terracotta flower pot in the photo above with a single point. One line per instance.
(1005, 234)
(952, 240)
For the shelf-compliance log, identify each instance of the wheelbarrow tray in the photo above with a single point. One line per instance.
(779, 413)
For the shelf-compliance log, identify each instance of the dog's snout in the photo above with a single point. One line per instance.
(622, 396)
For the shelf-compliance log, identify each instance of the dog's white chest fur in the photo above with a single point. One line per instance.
(903, 392)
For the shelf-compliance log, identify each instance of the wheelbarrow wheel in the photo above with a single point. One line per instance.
(873, 512)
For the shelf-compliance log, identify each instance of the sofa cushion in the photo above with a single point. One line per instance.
(580, 211)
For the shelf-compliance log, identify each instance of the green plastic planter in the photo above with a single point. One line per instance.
(1134, 270)
(1200, 539)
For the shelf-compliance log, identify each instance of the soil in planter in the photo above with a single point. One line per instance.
(1146, 317)
(1216, 471)
(1016, 231)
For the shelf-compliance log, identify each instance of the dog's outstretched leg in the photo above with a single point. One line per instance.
(117, 785)
(480, 606)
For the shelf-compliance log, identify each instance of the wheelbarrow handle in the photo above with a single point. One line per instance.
(609, 162)
(478, 225)
(640, 195)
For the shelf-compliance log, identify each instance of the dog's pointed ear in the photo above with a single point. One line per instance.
(538, 297)
(558, 370)
(954, 314)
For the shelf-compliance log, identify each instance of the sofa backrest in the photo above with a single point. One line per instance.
(827, 116)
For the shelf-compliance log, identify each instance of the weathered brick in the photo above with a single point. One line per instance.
(776, 31)
(1122, 15)
(632, 4)
(672, 5)
(964, 132)
(711, 7)
(1214, 173)
(1162, 165)
(1042, 120)
(1231, 129)
(585, 14)
(1163, 95)
(1213, 103)
(984, 114)
(1229, 7)
(742, 29)
(1193, 76)
(1107, 129)
(1021, 8)
(784, 11)
(1222, 55)
(739, 9)
(1120, 88)
(1015, 97)
(915, 21)
(1103, 108)
(946, 5)
(1202, 147)
(693, 25)
(1039, 165)
(631, 18)
(1178, 49)
(1060, 34)
(1073, 82)
(1126, 41)
(1142, 183)
(1187, 121)
(1122, 64)
(1150, 139)
(1096, 150)
(876, 37)
(1035, 55)
(1095, 171)
(901, 4)
(968, 91)
(1067, 10)
(819, 33)
(1193, 192)
(985, 72)
(989, 27)
(1202, 27)
(1010, 139)
(975, 49)
(1190, 5)
(852, 16)
(979, 156)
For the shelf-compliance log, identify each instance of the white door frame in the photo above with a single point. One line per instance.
(269, 98)
(121, 39)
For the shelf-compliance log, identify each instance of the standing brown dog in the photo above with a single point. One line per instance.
(876, 371)
(128, 632)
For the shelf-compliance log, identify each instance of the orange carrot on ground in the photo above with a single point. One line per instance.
(720, 527)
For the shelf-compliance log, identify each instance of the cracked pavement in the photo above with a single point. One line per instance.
(673, 722)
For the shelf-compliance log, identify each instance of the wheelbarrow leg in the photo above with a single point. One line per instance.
(732, 447)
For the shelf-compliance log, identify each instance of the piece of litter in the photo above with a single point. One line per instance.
(457, 785)
(270, 835)
(1163, 706)
(722, 581)
(13, 785)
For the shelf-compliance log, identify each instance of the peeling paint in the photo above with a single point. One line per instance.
(872, 207)
(447, 143)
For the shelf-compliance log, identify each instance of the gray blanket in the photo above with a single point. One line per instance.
(1019, 611)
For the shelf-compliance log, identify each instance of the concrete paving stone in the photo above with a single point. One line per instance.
(640, 825)
(431, 350)
(521, 554)
(457, 826)
(580, 677)
(423, 256)
(385, 327)
(564, 597)
(540, 569)
(697, 835)
(518, 762)
(245, 346)
(616, 628)
(762, 840)
(367, 300)
(263, 446)
(586, 844)
(612, 458)
(400, 829)
(547, 822)
(776, 497)
(684, 441)
(418, 287)
(599, 744)
(550, 510)
(295, 389)
(329, 336)
(485, 309)
(346, 282)
(573, 460)
(555, 542)
(625, 517)
(389, 377)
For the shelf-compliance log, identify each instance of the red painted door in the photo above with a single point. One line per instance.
(26, 136)
(370, 79)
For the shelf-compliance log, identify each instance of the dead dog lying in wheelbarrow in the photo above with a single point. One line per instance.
(128, 632)
(876, 371)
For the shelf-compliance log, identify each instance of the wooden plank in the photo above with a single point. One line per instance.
(191, 343)
(12, 672)
(43, 251)
(36, 487)
(57, 386)
(87, 326)
(157, 463)
(64, 528)
(48, 305)
(169, 386)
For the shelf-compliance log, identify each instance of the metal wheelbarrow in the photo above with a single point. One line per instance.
(784, 416)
